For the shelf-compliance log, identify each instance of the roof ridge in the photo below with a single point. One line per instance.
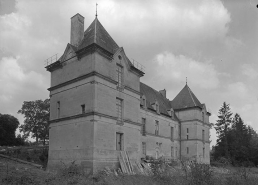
(191, 95)
(95, 30)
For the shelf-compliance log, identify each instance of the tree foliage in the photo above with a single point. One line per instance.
(236, 141)
(8, 126)
(222, 126)
(36, 114)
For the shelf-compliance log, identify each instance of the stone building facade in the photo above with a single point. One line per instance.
(98, 107)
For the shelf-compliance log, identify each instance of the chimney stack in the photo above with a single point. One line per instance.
(77, 29)
(163, 92)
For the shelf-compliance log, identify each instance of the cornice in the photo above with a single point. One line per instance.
(200, 121)
(195, 140)
(93, 113)
(94, 48)
(132, 90)
(93, 73)
(150, 134)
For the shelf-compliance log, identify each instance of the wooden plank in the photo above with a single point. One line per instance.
(126, 162)
(123, 161)
(122, 164)
(129, 162)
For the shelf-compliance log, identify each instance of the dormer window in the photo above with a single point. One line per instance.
(143, 101)
(171, 112)
(155, 106)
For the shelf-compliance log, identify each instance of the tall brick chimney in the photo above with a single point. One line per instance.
(77, 29)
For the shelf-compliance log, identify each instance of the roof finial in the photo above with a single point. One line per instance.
(96, 10)
(186, 80)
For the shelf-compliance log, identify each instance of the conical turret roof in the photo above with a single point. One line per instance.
(97, 34)
(185, 99)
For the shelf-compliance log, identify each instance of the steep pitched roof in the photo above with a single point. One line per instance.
(152, 95)
(185, 99)
(97, 34)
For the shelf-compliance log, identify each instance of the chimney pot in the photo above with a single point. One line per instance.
(163, 92)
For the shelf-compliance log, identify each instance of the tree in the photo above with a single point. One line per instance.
(239, 139)
(36, 114)
(8, 126)
(222, 126)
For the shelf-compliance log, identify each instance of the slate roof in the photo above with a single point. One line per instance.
(185, 99)
(97, 34)
(152, 95)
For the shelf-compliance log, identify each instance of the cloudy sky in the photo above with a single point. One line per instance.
(212, 43)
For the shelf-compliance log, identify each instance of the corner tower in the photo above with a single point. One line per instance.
(94, 101)
(195, 126)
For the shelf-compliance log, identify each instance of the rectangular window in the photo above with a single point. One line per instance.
(143, 148)
(172, 133)
(187, 137)
(203, 116)
(172, 152)
(144, 102)
(157, 128)
(58, 109)
(203, 134)
(187, 149)
(83, 108)
(119, 141)
(203, 152)
(119, 109)
(187, 130)
(119, 75)
(143, 126)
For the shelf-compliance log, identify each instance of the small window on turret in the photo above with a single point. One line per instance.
(83, 108)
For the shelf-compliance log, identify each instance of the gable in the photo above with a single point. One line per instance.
(68, 53)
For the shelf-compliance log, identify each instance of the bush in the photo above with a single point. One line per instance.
(200, 173)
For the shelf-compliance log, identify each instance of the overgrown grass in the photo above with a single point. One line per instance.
(37, 155)
(185, 173)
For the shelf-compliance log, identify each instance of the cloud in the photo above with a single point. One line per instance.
(249, 71)
(18, 85)
(176, 68)
(237, 90)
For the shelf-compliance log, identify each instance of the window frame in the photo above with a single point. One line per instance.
(203, 134)
(172, 131)
(120, 74)
(58, 109)
(119, 141)
(83, 108)
(144, 148)
(143, 127)
(156, 127)
(119, 109)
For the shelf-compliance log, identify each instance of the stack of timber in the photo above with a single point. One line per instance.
(125, 163)
(127, 167)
